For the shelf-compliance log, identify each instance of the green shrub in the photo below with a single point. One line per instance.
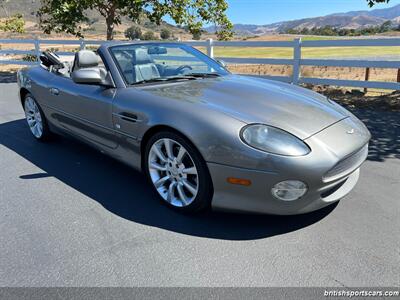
(165, 34)
(29, 57)
(149, 36)
(15, 23)
(133, 33)
(197, 35)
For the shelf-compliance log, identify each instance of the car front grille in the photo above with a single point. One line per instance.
(347, 165)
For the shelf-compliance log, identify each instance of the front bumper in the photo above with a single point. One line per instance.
(330, 171)
(257, 197)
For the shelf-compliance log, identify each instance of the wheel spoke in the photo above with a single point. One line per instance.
(28, 105)
(31, 121)
(171, 191)
(181, 154)
(31, 105)
(159, 154)
(35, 130)
(157, 166)
(168, 148)
(161, 181)
(40, 128)
(192, 171)
(190, 187)
(182, 195)
(29, 113)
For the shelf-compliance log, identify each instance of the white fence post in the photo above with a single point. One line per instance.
(296, 61)
(37, 49)
(82, 44)
(210, 48)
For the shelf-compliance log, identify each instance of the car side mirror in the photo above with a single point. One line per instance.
(87, 76)
(221, 63)
(92, 76)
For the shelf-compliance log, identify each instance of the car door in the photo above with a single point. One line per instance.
(84, 110)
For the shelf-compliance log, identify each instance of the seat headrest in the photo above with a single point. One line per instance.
(140, 57)
(86, 59)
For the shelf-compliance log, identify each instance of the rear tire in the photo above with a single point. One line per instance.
(36, 119)
(178, 172)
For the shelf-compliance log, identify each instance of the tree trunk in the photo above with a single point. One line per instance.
(110, 23)
(110, 29)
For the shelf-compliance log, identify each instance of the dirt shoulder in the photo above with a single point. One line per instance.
(357, 99)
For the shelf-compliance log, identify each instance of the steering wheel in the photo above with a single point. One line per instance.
(181, 68)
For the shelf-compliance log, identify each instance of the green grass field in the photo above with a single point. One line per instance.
(356, 52)
(328, 52)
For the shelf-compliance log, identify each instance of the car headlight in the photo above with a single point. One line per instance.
(273, 140)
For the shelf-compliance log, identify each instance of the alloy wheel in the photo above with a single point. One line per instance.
(173, 172)
(33, 117)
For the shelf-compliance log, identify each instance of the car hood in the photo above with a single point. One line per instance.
(253, 100)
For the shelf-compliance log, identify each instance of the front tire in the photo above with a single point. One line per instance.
(178, 172)
(35, 118)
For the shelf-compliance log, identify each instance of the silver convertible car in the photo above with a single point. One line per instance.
(203, 136)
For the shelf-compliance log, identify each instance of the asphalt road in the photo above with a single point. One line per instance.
(69, 216)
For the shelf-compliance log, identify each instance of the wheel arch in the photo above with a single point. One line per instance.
(22, 94)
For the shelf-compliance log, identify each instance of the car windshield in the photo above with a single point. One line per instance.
(144, 63)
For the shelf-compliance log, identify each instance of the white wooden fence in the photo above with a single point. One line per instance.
(296, 62)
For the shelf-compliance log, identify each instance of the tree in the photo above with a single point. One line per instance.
(165, 34)
(373, 2)
(15, 23)
(149, 36)
(134, 32)
(68, 15)
(386, 26)
(305, 31)
(197, 35)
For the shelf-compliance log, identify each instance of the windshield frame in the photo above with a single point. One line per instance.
(195, 52)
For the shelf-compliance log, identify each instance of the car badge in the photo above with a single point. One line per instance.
(351, 131)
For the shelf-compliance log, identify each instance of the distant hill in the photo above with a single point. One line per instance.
(348, 20)
(28, 9)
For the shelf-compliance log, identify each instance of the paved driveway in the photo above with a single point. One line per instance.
(70, 216)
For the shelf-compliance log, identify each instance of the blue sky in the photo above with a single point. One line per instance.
(270, 11)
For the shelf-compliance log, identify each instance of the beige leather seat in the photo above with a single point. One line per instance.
(143, 66)
(88, 59)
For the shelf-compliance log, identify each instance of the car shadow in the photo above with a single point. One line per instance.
(126, 193)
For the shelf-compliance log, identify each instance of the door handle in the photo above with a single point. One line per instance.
(54, 91)
(128, 117)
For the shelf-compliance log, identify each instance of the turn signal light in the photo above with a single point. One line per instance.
(239, 181)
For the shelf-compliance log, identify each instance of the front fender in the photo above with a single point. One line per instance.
(214, 133)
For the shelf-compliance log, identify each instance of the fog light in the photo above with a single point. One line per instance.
(289, 190)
